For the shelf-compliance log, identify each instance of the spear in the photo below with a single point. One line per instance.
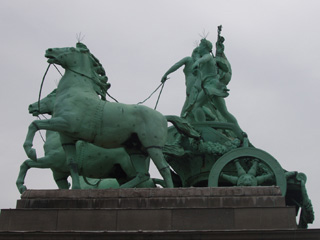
(219, 30)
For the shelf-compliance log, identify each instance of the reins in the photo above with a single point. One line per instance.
(57, 69)
(111, 97)
(161, 85)
(41, 85)
(155, 107)
(44, 76)
(81, 74)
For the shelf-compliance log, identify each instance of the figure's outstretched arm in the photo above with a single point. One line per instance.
(174, 68)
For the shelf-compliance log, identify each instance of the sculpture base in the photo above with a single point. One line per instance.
(226, 213)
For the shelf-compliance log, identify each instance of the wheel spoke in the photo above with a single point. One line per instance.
(240, 169)
(230, 178)
(261, 179)
(253, 169)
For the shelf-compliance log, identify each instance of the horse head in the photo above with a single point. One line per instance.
(46, 105)
(69, 57)
(79, 60)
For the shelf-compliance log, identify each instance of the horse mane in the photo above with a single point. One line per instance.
(99, 80)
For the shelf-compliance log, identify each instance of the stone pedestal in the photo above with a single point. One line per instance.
(183, 213)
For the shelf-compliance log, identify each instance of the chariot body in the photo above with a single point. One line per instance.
(223, 156)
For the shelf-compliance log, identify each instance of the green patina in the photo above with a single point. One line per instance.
(109, 145)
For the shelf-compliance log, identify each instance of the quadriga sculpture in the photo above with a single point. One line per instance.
(79, 114)
(93, 161)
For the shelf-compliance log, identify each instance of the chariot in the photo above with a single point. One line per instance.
(223, 156)
(200, 153)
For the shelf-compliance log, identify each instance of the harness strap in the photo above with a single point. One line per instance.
(164, 168)
(145, 174)
(154, 147)
(34, 124)
(68, 144)
(74, 167)
(96, 122)
(28, 167)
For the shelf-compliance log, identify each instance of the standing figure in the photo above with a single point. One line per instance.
(193, 87)
(208, 71)
(215, 74)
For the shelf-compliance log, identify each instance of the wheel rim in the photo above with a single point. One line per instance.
(263, 156)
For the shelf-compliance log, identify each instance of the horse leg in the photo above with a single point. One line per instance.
(70, 150)
(61, 180)
(22, 174)
(140, 163)
(53, 124)
(25, 166)
(126, 165)
(161, 164)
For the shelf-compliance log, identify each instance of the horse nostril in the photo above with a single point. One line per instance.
(50, 50)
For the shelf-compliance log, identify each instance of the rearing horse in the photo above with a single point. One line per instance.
(79, 114)
(93, 162)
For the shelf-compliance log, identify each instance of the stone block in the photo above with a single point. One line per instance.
(265, 218)
(151, 192)
(215, 202)
(288, 234)
(202, 219)
(87, 220)
(262, 191)
(139, 203)
(181, 209)
(134, 193)
(144, 219)
(28, 220)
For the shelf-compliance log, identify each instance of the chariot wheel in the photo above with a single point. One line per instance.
(247, 166)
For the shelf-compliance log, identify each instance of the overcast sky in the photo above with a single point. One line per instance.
(273, 48)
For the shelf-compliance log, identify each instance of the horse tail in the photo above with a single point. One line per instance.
(183, 126)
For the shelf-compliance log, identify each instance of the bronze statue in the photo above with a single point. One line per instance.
(81, 115)
(206, 147)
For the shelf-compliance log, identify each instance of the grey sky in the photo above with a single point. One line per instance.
(273, 47)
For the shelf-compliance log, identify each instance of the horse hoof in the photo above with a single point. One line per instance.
(32, 154)
(22, 189)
